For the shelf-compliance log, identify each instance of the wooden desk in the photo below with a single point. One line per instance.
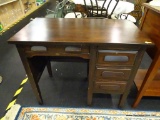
(102, 42)
(148, 81)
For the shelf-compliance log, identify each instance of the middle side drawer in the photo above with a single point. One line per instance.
(109, 73)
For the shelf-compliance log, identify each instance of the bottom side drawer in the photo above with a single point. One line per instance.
(110, 87)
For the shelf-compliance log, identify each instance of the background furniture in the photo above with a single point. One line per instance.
(103, 8)
(13, 11)
(137, 12)
(113, 55)
(148, 82)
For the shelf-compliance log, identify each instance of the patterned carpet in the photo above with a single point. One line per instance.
(54, 113)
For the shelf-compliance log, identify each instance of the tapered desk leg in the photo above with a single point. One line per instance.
(49, 68)
(152, 71)
(31, 77)
(132, 76)
(36, 90)
(122, 100)
(92, 63)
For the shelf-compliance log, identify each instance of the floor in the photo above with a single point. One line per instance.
(68, 87)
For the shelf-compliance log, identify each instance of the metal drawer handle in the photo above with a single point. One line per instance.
(73, 49)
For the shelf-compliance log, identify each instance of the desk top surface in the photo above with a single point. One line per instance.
(92, 31)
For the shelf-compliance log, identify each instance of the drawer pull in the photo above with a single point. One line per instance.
(109, 87)
(116, 58)
(111, 73)
(106, 74)
(72, 49)
(38, 48)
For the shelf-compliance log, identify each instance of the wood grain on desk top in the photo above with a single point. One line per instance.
(42, 30)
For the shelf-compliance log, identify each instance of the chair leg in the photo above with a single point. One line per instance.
(0, 79)
(49, 68)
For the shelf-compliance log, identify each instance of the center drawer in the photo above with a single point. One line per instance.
(58, 50)
(112, 73)
(70, 49)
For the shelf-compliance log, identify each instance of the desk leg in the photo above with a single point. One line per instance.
(36, 89)
(92, 63)
(33, 82)
(152, 71)
(136, 65)
(49, 68)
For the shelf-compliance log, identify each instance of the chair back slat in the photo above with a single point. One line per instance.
(103, 8)
(114, 7)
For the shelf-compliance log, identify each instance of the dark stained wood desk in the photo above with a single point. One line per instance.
(113, 48)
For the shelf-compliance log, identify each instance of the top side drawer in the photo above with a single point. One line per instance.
(116, 57)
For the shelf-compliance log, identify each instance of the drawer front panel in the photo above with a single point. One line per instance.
(112, 87)
(117, 58)
(70, 49)
(112, 74)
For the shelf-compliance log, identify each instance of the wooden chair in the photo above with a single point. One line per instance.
(94, 9)
(0, 79)
(137, 13)
(102, 9)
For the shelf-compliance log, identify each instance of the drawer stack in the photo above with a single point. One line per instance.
(113, 69)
